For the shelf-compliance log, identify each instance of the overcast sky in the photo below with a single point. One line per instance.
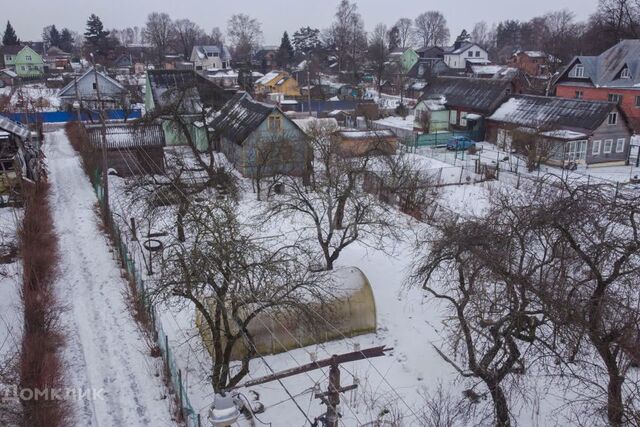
(29, 16)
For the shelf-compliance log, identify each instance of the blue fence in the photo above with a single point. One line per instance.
(69, 116)
(443, 137)
(322, 106)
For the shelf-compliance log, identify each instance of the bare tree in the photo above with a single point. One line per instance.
(481, 35)
(339, 211)
(245, 36)
(431, 29)
(379, 52)
(187, 33)
(405, 32)
(347, 36)
(232, 279)
(531, 143)
(217, 38)
(159, 32)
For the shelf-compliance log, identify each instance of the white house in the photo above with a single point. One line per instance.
(210, 57)
(462, 53)
(83, 90)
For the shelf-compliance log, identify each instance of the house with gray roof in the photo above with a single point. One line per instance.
(614, 76)
(210, 57)
(579, 131)
(83, 89)
(260, 140)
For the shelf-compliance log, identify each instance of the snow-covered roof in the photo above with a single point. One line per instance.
(309, 123)
(565, 134)
(14, 128)
(267, 78)
(9, 73)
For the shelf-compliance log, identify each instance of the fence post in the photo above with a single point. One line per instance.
(461, 173)
(166, 350)
(199, 422)
(180, 392)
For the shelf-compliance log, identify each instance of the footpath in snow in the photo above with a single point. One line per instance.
(105, 350)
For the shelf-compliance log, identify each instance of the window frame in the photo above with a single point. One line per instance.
(625, 73)
(620, 142)
(613, 115)
(614, 97)
(579, 94)
(596, 143)
(609, 143)
(577, 74)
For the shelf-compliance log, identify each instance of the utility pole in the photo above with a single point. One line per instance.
(308, 85)
(103, 133)
(331, 398)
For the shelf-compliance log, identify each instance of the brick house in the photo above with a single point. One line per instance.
(612, 76)
(580, 131)
(534, 63)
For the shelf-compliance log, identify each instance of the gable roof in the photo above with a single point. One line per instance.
(457, 50)
(202, 51)
(475, 94)
(430, 67)
(195, 90)
(604, 70)
(269, 77)
(69, 89)
(551, 112)
(240, 117)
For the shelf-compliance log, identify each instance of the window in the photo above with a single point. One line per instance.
(620, 145)
(94, 86)
(625, 73)
(27, 57)
(613, 119)
(275, 123)
(575, 151)
(9, 58)
(637, 101)
(23, 68)
(579, 94)
(453, 117)
(615, 97)
(608, 143)
(595, 147)
(477, 53)
(470, 54)
(578, 71)
(209, 54)
(463, 118)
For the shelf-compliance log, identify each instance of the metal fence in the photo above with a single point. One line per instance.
(190, 416)
(69, 116)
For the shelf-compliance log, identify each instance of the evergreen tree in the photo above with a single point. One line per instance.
(463, 37)
(51, 36)
(66, 40)
(95, 33)
(9, 38)
(285, 52)
(306, 39)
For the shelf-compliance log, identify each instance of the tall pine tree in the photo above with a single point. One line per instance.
(9, 38)
(95, 33)
(66, 40)
(285, 52)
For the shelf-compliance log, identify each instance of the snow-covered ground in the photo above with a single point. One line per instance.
(10, 284)
(36, 96)
(105, 349)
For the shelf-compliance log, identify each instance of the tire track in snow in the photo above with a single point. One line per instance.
(105, 349)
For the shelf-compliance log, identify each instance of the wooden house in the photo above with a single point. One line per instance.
(260, 140)
(178, 97)
(84, 91)
(132, 149)
(367, 142)
(579, 131)
(277, 82)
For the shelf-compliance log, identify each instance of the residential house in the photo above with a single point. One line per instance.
(534, 63)
(131, 149)
(430, 52)
(57, 60)
(431, 115)
(210, 57)
(367, 142)
(24, 60)
(405, 58)
(580, 131)
(468, 100)
(223, 77)
(424, 71)
(461, 54)
(84, 90)
(613, 76)
(260, 140)
(179, 99)
(277, 82)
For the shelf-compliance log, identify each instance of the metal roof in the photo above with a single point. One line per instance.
(240, 117)
(552, 112)
(14, 128)
(472, 94)
(123, 136)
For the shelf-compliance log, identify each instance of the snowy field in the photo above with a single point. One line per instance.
(36, 96)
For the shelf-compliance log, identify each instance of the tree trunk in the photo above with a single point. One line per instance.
(182, 210)
(615, 407)
(500, 406)
(342, 203)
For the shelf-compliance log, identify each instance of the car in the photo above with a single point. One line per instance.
(460, 143)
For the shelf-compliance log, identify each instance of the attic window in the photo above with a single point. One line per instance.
(625, 73)
(477, 53)
(275, 123)
(578, 71)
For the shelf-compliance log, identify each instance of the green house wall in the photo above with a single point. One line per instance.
(28, 64)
